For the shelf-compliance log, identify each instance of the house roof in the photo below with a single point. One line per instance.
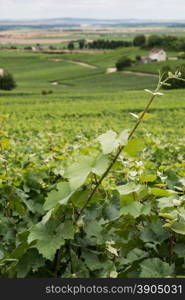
(155, 51)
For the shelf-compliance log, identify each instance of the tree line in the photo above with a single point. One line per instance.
(168, 42)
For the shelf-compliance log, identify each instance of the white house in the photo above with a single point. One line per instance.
(157, 55)
(2, 71)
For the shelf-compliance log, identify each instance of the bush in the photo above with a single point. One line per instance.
(47, 92)
(7, 82)
(123, 62)
(28, 48)
(138, 58)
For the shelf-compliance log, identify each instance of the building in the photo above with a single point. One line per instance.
(143, 60)
(41, 48)
(2, 71)
(157, 55)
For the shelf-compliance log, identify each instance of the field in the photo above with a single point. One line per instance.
(134, 224)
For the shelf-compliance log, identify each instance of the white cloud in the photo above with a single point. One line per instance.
(148, 9)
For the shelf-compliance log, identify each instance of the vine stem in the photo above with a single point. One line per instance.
(56, 263)
(121, 148)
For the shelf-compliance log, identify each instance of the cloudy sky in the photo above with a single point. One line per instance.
(112, 9)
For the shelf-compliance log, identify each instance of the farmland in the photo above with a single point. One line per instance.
(134, 224)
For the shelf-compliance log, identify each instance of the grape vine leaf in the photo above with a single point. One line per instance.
(100, 165)
(78, 172)
(155, 233)
(61, 195)
(155, 268)
(108, 141)
(134, 146)
(48, 240)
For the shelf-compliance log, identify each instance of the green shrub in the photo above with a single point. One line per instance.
(7, 82)
(46, 92)
(123, 62)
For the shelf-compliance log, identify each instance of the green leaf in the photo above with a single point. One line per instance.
(92, 261)
(155, 233)
(67, 229)
(48, 240)
(179, 249)
(134, 255)
(134, 209)
(31, 261)
(168, 202)
(146, 208)
(61, 196)
(108, 141)
(146, 117)
(79, 198)
(160, 192)
(145, 177)
(78, 172)
(93, 229)
(123, 137)
(128, 188)
(155, 268)
(17, 205)
(134, 146)
(100, 165)
(179, 226)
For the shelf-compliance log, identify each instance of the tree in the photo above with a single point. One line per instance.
(123, 62)
(155, 41)
(139, 40)
(7, 82)
(71, 46)
(81, 44)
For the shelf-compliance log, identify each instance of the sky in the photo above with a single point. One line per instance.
(101, 9)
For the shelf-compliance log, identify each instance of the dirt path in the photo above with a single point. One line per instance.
(113, 70)
(80, 63)
(140, 73)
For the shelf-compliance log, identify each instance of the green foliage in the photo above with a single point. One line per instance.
(174, 83)
(123, 62)
(71, 46)
(107, 44)
(139, 40)
(168, 42)
(154, 41)
(121, 230)
(156, 268)
(7, 82)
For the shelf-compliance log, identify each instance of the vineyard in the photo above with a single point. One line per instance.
(92, 170)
